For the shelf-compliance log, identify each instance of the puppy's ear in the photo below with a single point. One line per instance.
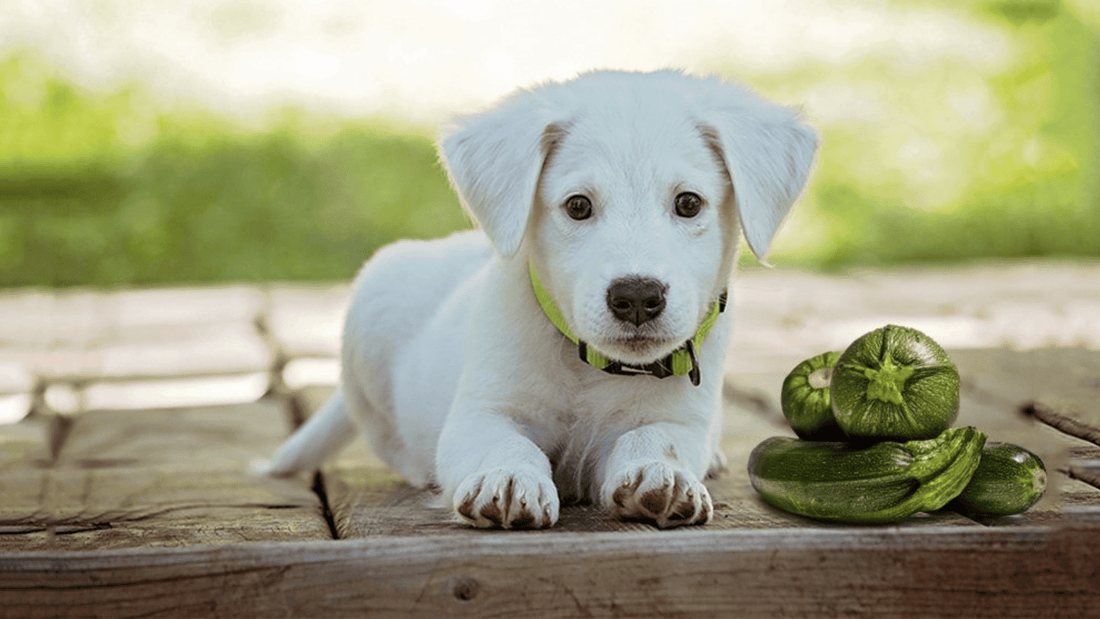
(494, 160)
(768, 152)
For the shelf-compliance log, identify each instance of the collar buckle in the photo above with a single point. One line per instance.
(683, 360)
(662, 368)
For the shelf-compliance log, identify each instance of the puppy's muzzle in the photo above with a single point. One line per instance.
(636, 300)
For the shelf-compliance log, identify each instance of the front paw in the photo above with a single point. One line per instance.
(656, 491)
(507, 498)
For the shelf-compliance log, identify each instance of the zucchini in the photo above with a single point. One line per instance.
(885, 482)
(894, 383)
(1009, 480)
(805, 400)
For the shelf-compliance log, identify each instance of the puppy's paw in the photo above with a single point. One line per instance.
(657, 491)
(520, 498)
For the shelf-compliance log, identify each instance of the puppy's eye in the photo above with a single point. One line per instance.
(578, 207)
(688, 204)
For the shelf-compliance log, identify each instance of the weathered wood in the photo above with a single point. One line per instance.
(1078, 417)
(1088, 471)
(879, 572)
(117, 482)
(208, 438)
(156, 478)
(369, 499)
(1017, 377)
(81, 509)
(994, 402)
(154, 512)
(19, 443)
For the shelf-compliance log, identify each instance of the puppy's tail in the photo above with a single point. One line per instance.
(328, 431)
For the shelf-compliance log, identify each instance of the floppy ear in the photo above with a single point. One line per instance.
(768, 152)
(494, 160)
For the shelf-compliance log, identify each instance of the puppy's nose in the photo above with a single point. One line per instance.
(636, 299)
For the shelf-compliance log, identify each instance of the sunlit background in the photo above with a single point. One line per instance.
(147, 142)
(194, 142)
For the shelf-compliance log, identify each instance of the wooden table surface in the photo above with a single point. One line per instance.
(153, 511)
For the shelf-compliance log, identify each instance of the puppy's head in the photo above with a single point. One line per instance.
(627, 192)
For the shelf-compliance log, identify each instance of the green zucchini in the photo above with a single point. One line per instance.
(894, 383)
(805, 400)
(1009, 480)
(885, 482)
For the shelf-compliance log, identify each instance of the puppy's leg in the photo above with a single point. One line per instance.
(646, 477)
(328, 431)
(494, 475)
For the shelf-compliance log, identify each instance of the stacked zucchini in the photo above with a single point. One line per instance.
(876, 444)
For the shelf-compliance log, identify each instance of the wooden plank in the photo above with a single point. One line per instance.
(1078, 417)
(994, 393)
(20, 442)
(1007, 375)
(1000, 387)
(158, 478)
(1087, 470)
(369, 499)
(202, 439)
(969, 572)
(80, 509)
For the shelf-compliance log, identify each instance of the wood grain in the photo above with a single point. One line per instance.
(369, 499)
(179, 529)
(169, 477)
(879, 572)
(1078, 416)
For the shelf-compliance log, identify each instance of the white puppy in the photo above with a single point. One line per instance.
(618, 197)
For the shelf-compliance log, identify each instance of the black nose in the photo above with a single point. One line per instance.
(636, 299)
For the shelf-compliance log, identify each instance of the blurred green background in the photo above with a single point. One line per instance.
(940, 161)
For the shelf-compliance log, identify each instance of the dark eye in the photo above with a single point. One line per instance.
(578, 207)
(688, 204)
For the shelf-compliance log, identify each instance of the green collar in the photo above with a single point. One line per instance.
(682, 360)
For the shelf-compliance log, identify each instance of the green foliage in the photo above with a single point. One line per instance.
(937, 160)
(195, 199)
(960, 161)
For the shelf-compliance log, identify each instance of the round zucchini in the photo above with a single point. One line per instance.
(805, 399)
(894, 383)
(1009, 480)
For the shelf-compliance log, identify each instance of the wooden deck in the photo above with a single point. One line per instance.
(110, 506)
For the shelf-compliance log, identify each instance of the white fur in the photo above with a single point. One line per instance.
(455, 373)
